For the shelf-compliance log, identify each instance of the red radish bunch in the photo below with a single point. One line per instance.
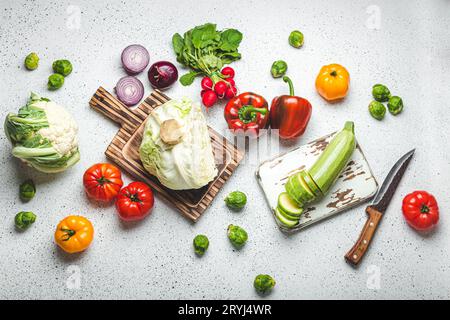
(218, 86)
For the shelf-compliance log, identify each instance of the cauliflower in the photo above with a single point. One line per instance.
(44, 135)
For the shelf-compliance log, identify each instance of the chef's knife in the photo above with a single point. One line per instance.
(378, 207)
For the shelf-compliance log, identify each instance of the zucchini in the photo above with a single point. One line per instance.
(298, 190)
(288, 206)
(311, 184)
(286, 221)
(334, 158)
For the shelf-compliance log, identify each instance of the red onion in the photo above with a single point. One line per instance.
(162, 74)
(129, 90)
(135, 58)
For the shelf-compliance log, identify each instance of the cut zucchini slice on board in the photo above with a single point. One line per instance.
(289, 206)
(285, 221)
(293, 192)
(311, 184)
(299, 190)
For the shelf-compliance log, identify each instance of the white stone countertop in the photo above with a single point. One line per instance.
(403, 44)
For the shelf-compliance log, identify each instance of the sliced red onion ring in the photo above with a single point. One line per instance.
(129, 90)
(135, 58)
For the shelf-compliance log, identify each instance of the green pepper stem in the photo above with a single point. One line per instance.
(248, 112)
(291, 86)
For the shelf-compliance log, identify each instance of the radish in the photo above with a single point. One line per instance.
(228, 72)
(209, 98)
(220, 88)
(207, 83)
(230, 92)
(231, 82)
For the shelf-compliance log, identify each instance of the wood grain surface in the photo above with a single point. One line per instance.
(124, 151)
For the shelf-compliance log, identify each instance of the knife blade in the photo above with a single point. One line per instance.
(378, 207)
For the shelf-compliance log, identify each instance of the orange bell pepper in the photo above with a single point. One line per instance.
(74, 234)
(332, 82)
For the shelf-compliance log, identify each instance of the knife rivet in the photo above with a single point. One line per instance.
(365, 241)
(371, 224)
(355, 256)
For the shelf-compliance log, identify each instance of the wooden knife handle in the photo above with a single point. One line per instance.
(355, 255)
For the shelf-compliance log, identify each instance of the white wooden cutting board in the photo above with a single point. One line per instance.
(354, 186)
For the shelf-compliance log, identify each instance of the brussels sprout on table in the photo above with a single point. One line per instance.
(237, 236)
(296, 39)
(377, 110)
(236, 200)
(395, 105)
(24, 219)
(278, 69)
(55, 81)
(263, 283)
(63, 67)
(381, 93)
(31, 61)
(201, 244)
(27, 190)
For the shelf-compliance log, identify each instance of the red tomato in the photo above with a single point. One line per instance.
(134, 201)
(102, 182)
(420, 210)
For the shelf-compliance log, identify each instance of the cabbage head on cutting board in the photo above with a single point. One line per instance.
(176, 146)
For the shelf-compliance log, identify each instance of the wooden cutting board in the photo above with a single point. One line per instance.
(355, 185)
(124, 151)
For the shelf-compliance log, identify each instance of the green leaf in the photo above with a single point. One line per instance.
(203, 36)
(229, 57)
(188, 78)
(230, 40)
(178, 43)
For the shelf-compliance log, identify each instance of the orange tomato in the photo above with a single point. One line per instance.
(74, 234)
(332, 82)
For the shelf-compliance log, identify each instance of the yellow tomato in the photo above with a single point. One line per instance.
(74, 234)
(332, 82)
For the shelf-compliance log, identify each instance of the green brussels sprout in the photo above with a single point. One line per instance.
(63, 67)
(377, 110)
(381, 93)
(278, 69)
(201, 244)
(31, 61)
(296, 39)
(263, 283)
(237, 235)
(55, 81)
(395, 105)
(27, 190)
(24, 219)
(236, 200)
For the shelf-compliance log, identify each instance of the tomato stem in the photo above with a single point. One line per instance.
(135, 198)
(333, 73)
(68, 234)
(102, 180)
(424, 208)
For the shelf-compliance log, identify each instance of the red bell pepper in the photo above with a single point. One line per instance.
(247, 113)
(420, 210)
(290, 114)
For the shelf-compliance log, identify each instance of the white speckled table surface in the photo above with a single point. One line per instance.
(404, 44)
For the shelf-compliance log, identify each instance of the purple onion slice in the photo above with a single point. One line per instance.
(135, 58)
(129, 90)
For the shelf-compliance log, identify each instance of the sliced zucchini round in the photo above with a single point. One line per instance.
(285, 221)
(311, 184)
(288, 205)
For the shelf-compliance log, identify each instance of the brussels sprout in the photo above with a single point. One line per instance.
(27, 190)
(236, 200)
(377, 110)
(31, 61)
(296, 39)
(381, 93)
(263, 283)
(201, 244)
(24, 219)
(63, 67)
(237, 235)
(395, 105)
(278, 69)
(55, 81)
